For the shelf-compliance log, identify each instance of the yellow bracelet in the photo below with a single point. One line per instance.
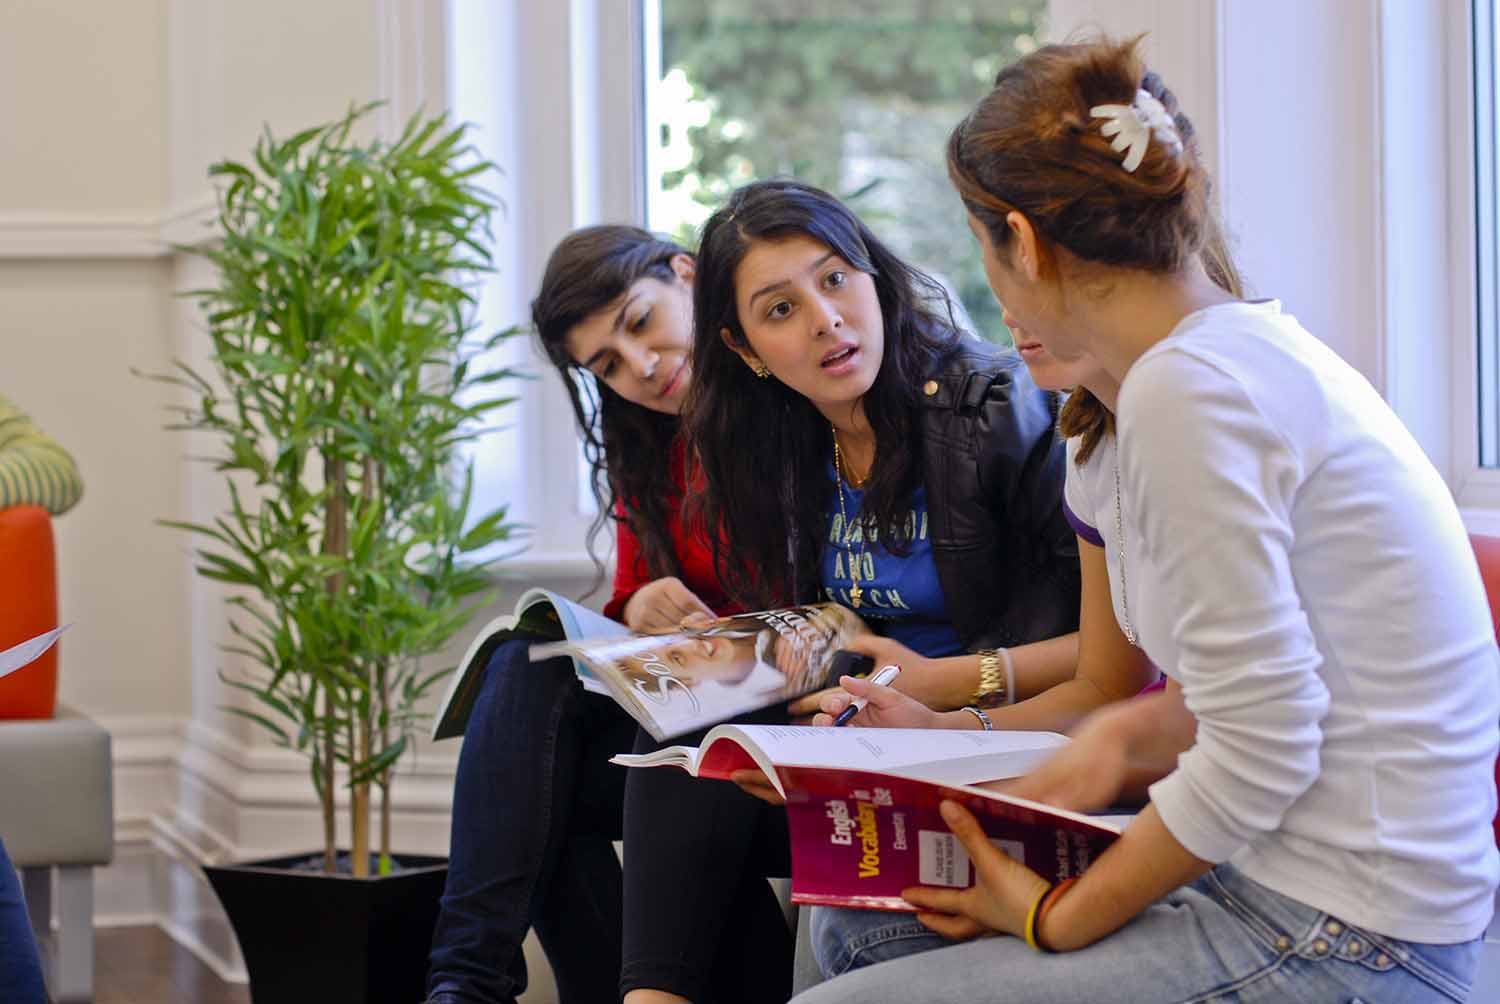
(1040, 913)
(1030, 929)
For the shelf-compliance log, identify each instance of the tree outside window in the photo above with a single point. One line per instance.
(853, 97)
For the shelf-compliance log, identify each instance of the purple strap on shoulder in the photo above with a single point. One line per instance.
(1084, 531)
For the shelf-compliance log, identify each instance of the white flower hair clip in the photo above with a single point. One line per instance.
(1132, 126)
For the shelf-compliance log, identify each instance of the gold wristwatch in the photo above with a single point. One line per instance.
(991, 692)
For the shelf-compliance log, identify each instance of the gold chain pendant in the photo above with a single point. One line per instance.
(838, 470)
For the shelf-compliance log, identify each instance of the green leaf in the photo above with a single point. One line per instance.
(339, 339)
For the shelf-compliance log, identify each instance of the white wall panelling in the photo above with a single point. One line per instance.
(90, 290)
(34, 236)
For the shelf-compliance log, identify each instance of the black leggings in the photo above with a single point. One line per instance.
(700, 919)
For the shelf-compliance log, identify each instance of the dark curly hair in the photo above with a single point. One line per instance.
(626, 445)
(763, 449)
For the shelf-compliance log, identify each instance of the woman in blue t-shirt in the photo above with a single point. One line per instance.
(856, 446)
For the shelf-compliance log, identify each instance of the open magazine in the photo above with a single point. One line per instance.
(670, 683)
(862, 805)
(539, 615)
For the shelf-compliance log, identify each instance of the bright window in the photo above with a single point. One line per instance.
(852, 97)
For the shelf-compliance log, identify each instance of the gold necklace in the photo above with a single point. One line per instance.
(843, 470)
(856, 561)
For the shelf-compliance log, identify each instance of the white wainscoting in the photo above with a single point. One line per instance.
(186, 796)
(43, 236)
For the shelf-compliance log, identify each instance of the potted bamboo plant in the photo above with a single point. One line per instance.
(344, 380)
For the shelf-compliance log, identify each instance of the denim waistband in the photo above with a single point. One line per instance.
(1277, 914)
(1288, 926)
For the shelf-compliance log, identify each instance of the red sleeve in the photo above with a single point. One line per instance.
(630, 567)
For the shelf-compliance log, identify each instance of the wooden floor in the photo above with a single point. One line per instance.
(141, 965)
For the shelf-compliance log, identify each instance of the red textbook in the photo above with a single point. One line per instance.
(862, 805)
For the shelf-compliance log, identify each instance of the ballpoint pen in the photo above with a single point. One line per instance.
(883, 678)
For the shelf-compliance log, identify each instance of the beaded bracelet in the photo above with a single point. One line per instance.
(1046, 903)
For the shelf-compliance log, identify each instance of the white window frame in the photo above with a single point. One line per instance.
(559, 105)
(1476, 487)
(1421, 265)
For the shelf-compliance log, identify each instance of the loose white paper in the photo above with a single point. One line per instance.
(13, 659)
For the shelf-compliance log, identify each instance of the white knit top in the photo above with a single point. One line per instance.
(1295, 562)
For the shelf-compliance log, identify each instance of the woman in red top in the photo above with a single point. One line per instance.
(536, 805)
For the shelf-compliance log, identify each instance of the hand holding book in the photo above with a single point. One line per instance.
(864, 805)
(753, 781)
(1003, 894)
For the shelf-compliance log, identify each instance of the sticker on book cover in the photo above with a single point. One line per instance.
(945, 862)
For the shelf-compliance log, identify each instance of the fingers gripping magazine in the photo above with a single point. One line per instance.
(681, 682)
(862, 805)
(670, 683)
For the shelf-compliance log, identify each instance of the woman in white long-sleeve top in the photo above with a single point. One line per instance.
(1279, 545)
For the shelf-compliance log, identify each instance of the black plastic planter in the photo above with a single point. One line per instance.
(332, 939)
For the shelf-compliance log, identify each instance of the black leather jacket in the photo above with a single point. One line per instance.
(994, 465)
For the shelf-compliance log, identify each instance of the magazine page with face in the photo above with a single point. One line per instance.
(681, 682)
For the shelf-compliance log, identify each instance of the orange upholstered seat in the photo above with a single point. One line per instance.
(28, 607)
(1487, 550)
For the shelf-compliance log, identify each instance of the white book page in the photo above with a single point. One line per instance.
(979, 768)
(1112, 823)
(685, 757)
(938, 750)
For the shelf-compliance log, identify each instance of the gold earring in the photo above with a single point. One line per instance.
(760, 370)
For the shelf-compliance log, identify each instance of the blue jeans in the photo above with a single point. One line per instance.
(20, 967)
(1223, 939)
(536, 808)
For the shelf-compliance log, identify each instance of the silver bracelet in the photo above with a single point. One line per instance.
(984, 719)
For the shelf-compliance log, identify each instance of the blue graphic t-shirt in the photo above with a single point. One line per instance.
(900, 596)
